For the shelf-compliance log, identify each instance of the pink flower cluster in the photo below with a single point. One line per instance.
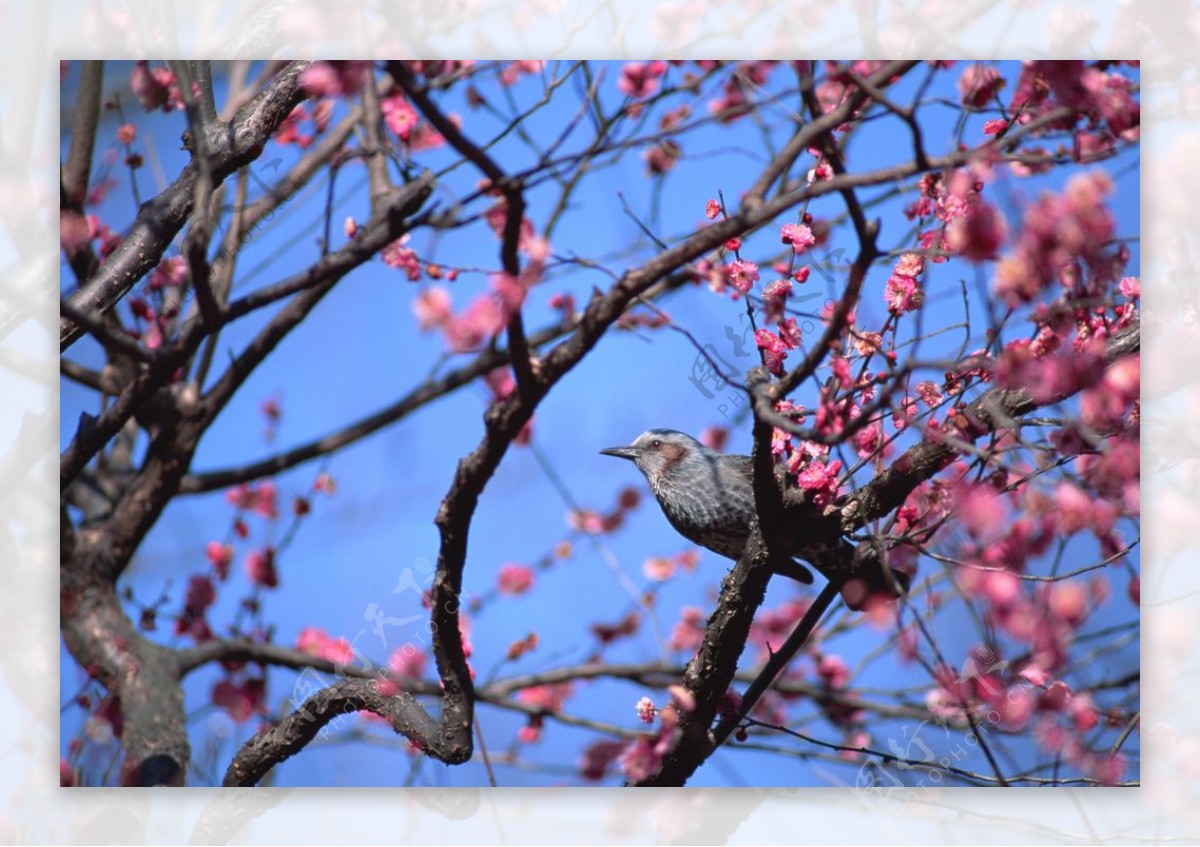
(316, 642)
(335, 78)
(242, 700)
(1103, 96)
(733, 102)
(401, 118)
(821, 480)
(262, 499)
(155, 88)
(662, 568)
(775, 348)
(514, 578)
(1059, 232)
(591, 522)
(641, 79)
(291, 131)
(644, 755)
(979, 84)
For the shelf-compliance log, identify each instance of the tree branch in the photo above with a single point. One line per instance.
(891, 487)
(159, 220)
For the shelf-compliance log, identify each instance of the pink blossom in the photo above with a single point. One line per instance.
(513, 71)
(774, 350)
(289, 130)
(822, 171)
(658, 568)
(271, 409)
(789, 333)
(334, 78)
(482, 319)
(978, 84)
(1035, 675)
(714, 437)
(220, 556)
(242, 701)
(1131, 287)
(597, 757)
(585, 520)
(1067, 601)
(834, 671)
(932, 240)
(930, 393)
(399, 115)
(432, 307)
(1058, 231)
(978, 234)
(902, 294)
(1073, 509)
(1016, 708)
(408, 660)
(397, 255)
(1001, 588)
(514, 578)
(1108, 768)
(688, 631)
(645, 710)
(171, 272)
(74, 231)
(200, 595)
(910, 264)
(662, 157)
(868, 440)
(994, 126)
(683, 698)
(126, 133)
(500, 383)
(798, 235)
(742, 275)
(260, 568)
(822, 480)
(549, 697)
(982, 512)
(316, 642)
(265, 503)
(153, 88)
(711, 209)
(640, 79)
(1082, 712)
(640, 759)
(531, 733)
(775, 298)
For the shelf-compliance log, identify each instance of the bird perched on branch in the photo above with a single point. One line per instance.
(707, 496)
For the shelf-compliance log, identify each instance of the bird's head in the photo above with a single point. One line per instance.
(658, 451)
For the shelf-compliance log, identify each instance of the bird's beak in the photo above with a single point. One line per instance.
(620, 452)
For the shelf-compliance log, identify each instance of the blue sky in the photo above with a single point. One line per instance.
(362, 350)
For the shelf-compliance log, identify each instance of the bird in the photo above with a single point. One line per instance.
(707, 496)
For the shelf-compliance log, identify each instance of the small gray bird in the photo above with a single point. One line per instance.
(707, 496)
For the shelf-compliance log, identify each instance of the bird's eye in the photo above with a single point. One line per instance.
(656, 443)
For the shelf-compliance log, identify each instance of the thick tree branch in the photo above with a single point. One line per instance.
(76, 172)
(158, 221)
(292, 734)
